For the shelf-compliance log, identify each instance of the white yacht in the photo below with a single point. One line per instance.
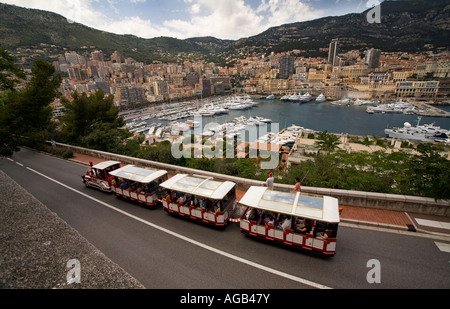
(295, 97)
(265, 120)
(321, 98)
(306, 97)
(359, 102)
(285, 97)
(424, 133)
(399, 107)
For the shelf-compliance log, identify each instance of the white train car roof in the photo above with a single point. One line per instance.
(105, 164)
(134, 173)
(315, 207)
(199, 186)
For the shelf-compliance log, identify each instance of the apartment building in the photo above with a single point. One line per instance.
(417, 89)
(131, 94)
(286, 66)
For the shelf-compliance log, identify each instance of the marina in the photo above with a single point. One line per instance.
(407, 108)
(226, 117)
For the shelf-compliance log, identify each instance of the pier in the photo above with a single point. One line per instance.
(429, 110)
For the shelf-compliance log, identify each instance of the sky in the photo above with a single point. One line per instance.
(223, 19)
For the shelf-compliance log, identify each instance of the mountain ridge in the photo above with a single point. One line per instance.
(406, 25)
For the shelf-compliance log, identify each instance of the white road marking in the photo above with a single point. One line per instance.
(223, 253)
(19, 163)
(433, 223)
(443, 246)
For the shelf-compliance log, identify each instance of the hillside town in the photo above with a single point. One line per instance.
(368, 74)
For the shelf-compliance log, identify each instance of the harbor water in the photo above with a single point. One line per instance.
(327, 116)
(324, 116)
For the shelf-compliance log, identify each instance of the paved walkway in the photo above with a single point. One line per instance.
(364, 216)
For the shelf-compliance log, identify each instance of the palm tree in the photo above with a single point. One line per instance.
(327, 142)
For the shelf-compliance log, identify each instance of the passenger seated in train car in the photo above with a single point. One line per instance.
(212, 207)
(216, 207)
(161, 191)
(123, 184)
(319, 229)
(115, 182)
(279, 221)
(133, 186)
(302, 226)
(175, 195)
(152, 186)
(328, 232)
(182, 199)
(261, 217)
(269, 219)
(201, 203)
(144, 189)
(252, 215)
(284, 222)
(168, 198)
(194, 201)
(208, 204)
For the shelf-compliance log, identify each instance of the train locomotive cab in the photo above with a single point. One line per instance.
(98, 176)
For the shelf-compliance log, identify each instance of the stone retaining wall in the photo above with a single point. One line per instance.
(346, 197)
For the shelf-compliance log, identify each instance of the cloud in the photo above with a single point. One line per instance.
(80, 11)
(137, 26)
(281, 12)
(224, 19)
(236, 19)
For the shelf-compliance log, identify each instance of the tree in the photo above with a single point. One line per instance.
(9, 77)
(161, 152)
(26, 113)
(86, 114)
(430, 173)
(10, 74)
(327, 142)
(35, 99)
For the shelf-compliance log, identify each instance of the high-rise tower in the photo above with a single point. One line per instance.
(333, 52)
(373, 58)
(286, 66)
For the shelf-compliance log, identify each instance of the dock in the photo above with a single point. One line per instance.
(429, 110)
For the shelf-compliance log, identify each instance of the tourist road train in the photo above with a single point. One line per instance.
(295, 219)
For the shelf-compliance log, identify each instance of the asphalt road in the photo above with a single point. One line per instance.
(166, 252)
